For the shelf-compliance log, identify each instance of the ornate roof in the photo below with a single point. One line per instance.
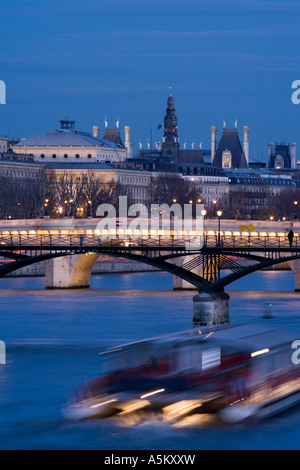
(230, 141)
(113, 135)
(66, 137)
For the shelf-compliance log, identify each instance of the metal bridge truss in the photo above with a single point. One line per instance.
(202, 267)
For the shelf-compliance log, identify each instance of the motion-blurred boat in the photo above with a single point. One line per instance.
(238, 372)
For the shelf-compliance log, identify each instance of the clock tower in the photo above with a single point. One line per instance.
(170, 145)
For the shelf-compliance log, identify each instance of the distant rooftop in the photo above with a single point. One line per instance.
(66, 136)
(230, 141)
(80, 166)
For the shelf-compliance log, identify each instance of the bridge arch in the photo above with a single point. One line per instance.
(73, 269)
(293, 261)
(70, 272)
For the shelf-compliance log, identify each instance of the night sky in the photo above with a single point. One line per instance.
(93, 59)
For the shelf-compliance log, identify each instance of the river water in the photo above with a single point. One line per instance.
(53, 339)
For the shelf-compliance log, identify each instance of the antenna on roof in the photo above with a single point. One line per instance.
(170, 89)
(236, 123)
(224, 123)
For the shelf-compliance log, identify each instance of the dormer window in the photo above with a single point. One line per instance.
(226, 159)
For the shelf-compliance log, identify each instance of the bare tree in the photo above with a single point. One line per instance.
(71, 195)
(21, 198)
(168, 188)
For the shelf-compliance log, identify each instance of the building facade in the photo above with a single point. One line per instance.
(283, 156)
(3, 144)
(229, 152)
(69, 145)
(136, 184)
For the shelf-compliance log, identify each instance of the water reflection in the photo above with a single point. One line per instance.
(53, 341)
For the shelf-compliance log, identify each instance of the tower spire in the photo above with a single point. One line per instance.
(170, 144)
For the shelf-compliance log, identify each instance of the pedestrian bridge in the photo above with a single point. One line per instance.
(196, 259)
(207, 260)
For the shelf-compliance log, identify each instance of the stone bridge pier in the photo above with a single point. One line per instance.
(178, 282)
(209, 308)
(69, 272)
(295, 267)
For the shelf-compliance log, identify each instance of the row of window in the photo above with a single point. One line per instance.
(138, 193)
(214, 190)
(65, 155)
(210, 180)
(134, 179)
(19, 173)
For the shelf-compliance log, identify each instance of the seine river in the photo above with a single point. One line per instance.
(53, 339)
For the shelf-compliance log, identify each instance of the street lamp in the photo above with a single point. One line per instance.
(203, 212)
(66, 202)
(89, 208)
(214, 203)
(71, 207)
(295, 203)
(46, 207)
(219, 214)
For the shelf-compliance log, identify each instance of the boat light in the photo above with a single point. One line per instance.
(133, 405)
(152, 393)
(181, 407)
(104, 403)
(258, 353)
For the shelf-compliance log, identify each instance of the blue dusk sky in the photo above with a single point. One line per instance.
(93, 59)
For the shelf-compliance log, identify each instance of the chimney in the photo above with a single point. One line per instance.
(213, 142)
(96, 131)
(246, 143)
(128, 144)
(293, 155)
(270, 152)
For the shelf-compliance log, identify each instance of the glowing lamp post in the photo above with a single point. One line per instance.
(219, 214)
(203, 212)
(296, 214)
(46, 207)
(214, 203)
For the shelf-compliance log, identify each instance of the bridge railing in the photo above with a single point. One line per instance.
(81, 239)
(70, 240)
(265, 241)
